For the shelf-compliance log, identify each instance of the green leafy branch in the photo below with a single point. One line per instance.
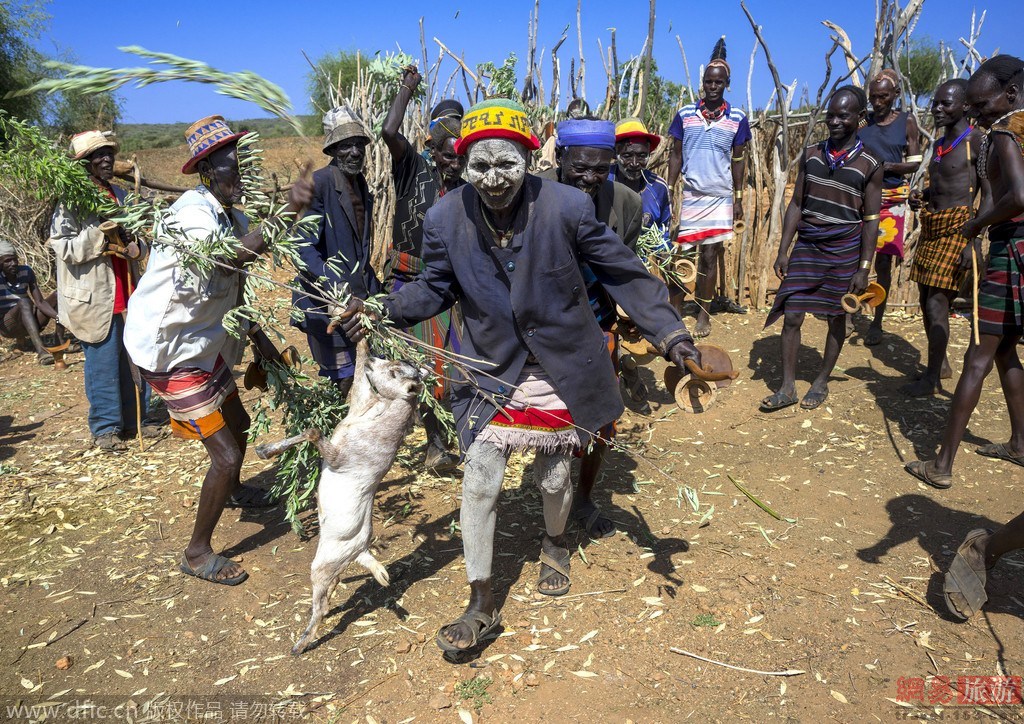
(244, 85)
(46, 171)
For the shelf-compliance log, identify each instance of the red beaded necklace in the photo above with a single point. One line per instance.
(940, 151)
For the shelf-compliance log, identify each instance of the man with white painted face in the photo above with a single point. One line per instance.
(339, 252)
(508, 247)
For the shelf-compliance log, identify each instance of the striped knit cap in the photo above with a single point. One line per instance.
(496, 118)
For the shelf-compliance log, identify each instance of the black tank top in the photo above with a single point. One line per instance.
(888, 142)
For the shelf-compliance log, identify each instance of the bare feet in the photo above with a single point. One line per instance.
(703, 325)
(946, 372)
(874, 336)
(588, 516)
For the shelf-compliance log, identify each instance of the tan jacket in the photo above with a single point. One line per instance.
(85, 277)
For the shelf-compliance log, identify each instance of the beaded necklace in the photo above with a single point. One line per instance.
(940, 151)
(837, 159)
(983, 153)
(709, 115)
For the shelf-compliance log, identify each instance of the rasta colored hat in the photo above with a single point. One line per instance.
(85, 143)
(630, 129)
(583, 132)
(342, 123)
(204, 137)
(496, 118)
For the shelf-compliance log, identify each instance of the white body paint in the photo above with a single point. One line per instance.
(355, 459)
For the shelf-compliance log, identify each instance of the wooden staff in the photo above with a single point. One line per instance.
(974, 251)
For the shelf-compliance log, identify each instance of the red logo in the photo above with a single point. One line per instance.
(968, 690)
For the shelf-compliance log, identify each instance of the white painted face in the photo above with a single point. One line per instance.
(496, 169)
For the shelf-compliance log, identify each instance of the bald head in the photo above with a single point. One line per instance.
(949, 103)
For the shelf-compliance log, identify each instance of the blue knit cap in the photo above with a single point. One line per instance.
(597, 134)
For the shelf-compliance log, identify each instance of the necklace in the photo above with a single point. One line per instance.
(940, 151)
(983, 152)
(709, 115)
(838, 158)
(500, 237)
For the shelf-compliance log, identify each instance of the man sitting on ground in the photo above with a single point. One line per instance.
(24, 312)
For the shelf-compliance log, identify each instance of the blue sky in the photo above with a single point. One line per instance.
(268, 37)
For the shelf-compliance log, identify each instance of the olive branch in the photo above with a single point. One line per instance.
(244, 85)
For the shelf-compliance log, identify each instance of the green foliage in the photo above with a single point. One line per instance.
(136, 136)
(303, 405)
(705, 620)
(501, 81)
(73, 113)
(332, 73)
(664, 97)
(475, 689)
(243, 85)
(921, 66)
(45, 170)
(21, 65)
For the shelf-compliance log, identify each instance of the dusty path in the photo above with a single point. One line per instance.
(846, 593)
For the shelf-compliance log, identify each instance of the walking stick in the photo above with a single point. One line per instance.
(974, 292)
(974, 253)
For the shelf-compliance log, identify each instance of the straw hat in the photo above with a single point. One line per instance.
(83, 144)
(204, 137)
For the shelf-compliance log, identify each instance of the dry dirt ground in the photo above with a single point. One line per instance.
(94, 607)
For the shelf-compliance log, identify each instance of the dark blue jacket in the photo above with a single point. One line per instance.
(530, 297)
(336, 242)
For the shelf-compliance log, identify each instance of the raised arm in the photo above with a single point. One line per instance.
(397, 144)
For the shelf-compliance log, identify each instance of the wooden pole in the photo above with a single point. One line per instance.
(974, 253)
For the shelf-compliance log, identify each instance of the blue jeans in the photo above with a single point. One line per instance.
(109, 386)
